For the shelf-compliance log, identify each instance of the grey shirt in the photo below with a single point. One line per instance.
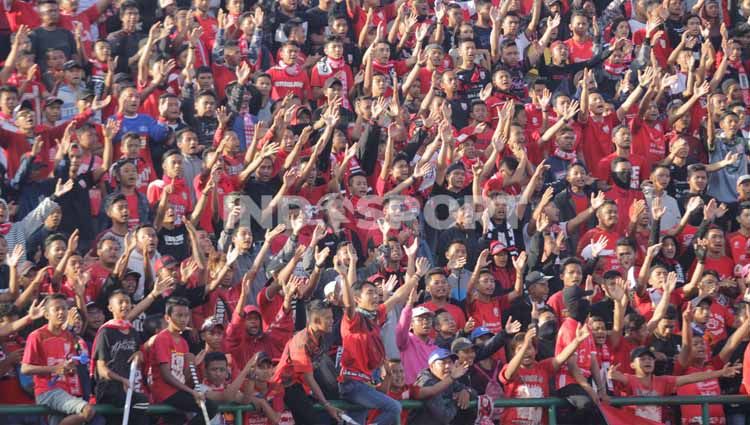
(43, 40)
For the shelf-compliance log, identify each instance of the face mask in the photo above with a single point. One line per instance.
(547, 330)
(621, 179)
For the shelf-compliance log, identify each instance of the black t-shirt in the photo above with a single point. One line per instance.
(115, 348)
(671, 348)
(472, 81)
(261, 193)
(174, 242)
(76, 208)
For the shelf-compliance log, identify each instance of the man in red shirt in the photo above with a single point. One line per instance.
(49, 356)
(331, 68)
(621, 139)
(621, 193)
(739, 241)
(288, 76)
(295, 369)
(170, 359)
(524, 377)
(178, 192)
(580, 44)
(363, 350)
(575, 373)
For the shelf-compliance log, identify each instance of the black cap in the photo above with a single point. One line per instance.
(121, 77)
(535, 277)
(71, 64)
(574, 294)
(460, 344)
(331, 81)
(85, 94)
(131, 272)
(641, 351)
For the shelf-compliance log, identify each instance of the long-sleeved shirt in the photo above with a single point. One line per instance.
(414, 350)
(243, 346)
(20, 231)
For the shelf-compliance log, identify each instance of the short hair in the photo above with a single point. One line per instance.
(619, 160)
(658, 165)
(695, 168)
(53, 297)
(128, 4)
(625, 242)
(204, 70)
(317, 307)
(108, 237)
(8, 310)
(49, 240)
(204, 93)
(173, 302)
(333, 39)
(8, 89)
(118, 291)
(571, 260)
(214, 356)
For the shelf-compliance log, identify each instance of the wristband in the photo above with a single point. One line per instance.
(318, 266)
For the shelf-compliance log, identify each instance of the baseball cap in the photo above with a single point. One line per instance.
(211, 323)
(331, 81)
(49, 100)
(71, 64)
(440, 354)
(497, 247)
(164, 261)
(704, 299)
(460, 344)
(641, 351)
(131, 272)
(165, 3)
(535, 277)
(743, 178)
(375, 277)
(330, 288)
(421, 311)
(85, 94)
(263, 357)
(250, 309)
(574, 294)
(479, 332)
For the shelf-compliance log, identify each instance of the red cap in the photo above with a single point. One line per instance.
(164, 261)
(250, 309)
(497, 247)
(374, 278)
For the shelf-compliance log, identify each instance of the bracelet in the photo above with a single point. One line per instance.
(319, 266)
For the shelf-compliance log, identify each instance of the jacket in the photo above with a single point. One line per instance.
(440, 409)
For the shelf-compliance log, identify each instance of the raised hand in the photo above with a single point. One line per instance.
(15, 257)
(598, 246)
(61, 189)
(512, 326)
(422, 266)
(519, 263)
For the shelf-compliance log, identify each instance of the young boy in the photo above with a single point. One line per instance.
(49, 357)
(116, 346)
(169, 359)
(644, 383)
(265, 395)
(524, 377)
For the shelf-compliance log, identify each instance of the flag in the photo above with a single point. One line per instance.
(615, 416)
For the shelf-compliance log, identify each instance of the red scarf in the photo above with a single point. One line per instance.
(121, 325)
(290, 69)
(615, 68)
(5, 228)
(570, 156)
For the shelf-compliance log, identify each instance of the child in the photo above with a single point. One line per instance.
(214, 384)
(115, 348)
(169, 360)
(267, 397)
(483, 305)
(645, 384)
(524, 377)
(49, 356)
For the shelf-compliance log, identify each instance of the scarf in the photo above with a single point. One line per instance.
(334, 64)
(369, 315)
(5, 228)
(616, 69)
(568, 156)
(503, 232)
(290, 69)
(121, 325)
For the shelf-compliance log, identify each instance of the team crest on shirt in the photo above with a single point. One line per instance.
(82, 184)
(66, 347)
(663, 43)
(323, 67)
(605, 129)
(658, 126)
(496, 311)
(482, 74)
(464, 106)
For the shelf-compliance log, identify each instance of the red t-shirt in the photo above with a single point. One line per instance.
(596, 142)
(580, 52)
(274, 395)
(638, 167)
(489, 314)
(454, 310)
(10, 387)
(610, 261)
(356, 334)
(532, 382)
(283, 81)
(660, 386)
(327, 69)
(648, 140)
(179, 199)
(270, 308)
(44, 348)
(740, 246)
(691, 415)
(409, 392)
(170, 349)
(584, 354)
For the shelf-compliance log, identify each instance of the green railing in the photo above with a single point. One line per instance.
(551, 403)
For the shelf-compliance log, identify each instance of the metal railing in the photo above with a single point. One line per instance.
(550, 403)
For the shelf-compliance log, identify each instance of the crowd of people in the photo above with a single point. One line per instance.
(287, 203)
